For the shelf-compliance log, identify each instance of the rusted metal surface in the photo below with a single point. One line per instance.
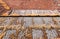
(2, 10)
(8, 7)
(32, 4)
(3, 7)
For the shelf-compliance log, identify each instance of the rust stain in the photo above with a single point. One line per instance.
(32, 4)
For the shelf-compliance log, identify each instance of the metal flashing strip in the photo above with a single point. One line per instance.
(33, 13)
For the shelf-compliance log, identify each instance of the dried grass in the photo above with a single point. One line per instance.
(27, 30)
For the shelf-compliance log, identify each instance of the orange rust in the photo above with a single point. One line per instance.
(32, 4)
(4, 5)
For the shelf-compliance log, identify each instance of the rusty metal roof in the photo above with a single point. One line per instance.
(32, 4)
